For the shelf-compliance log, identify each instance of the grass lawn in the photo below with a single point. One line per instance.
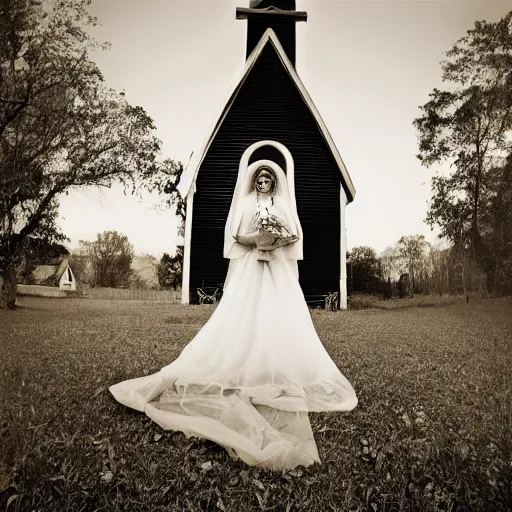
(433, 429)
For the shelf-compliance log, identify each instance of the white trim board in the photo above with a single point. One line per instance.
(343, 251)
(185, 281)
(188, 179)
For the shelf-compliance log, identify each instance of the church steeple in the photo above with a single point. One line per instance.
(279, 15)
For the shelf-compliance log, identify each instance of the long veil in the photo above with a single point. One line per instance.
(254, 371)
(244, 198)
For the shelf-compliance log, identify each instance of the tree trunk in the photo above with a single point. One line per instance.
(475, 232)
(8, 289)
(411, 271)
(464, 289)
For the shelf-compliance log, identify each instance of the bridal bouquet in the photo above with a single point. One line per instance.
(273, 233)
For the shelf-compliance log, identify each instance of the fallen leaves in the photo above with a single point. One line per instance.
(106, 477)
(207, 466)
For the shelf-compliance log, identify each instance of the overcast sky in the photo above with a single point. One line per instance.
(367, 65)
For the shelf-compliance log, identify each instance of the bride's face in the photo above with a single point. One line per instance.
(264, 184)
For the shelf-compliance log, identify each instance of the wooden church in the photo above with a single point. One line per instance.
(268, 115)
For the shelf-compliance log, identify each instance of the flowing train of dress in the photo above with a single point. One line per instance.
(251, 375)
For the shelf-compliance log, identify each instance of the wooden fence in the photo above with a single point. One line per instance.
(129, 294)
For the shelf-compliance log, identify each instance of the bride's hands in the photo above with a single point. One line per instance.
(278, 242)
(248, 239)
(281, 242)
(265, 241)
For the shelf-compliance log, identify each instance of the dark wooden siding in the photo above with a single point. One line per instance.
(283, 27)
(269, 153)
(268, 106)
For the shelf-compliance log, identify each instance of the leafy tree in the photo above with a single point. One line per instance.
(497, 231)
(390, 263)
(137, 282)
(364, 270)
(165, 182)
(80, 262)
(467, 125)
(111, 255)
(39, 251)
(388, 289)
(169, 269)
(412, 250)
(61, 127)
(177, 267)
(144, 272)
(164, 271)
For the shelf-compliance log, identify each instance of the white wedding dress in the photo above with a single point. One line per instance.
(251, 375)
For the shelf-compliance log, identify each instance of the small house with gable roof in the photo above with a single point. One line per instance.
(55, 274)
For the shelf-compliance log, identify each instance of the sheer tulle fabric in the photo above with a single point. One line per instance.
(251, 375)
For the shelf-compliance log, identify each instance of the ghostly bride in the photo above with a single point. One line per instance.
(249, 378)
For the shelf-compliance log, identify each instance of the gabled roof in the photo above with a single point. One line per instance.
(45, 272)
(189, 176)
(62, 268)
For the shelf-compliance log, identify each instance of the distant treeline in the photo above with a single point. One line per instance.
(413, 266)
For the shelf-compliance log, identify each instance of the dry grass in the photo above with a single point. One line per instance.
(432, 432)
(360, 301)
